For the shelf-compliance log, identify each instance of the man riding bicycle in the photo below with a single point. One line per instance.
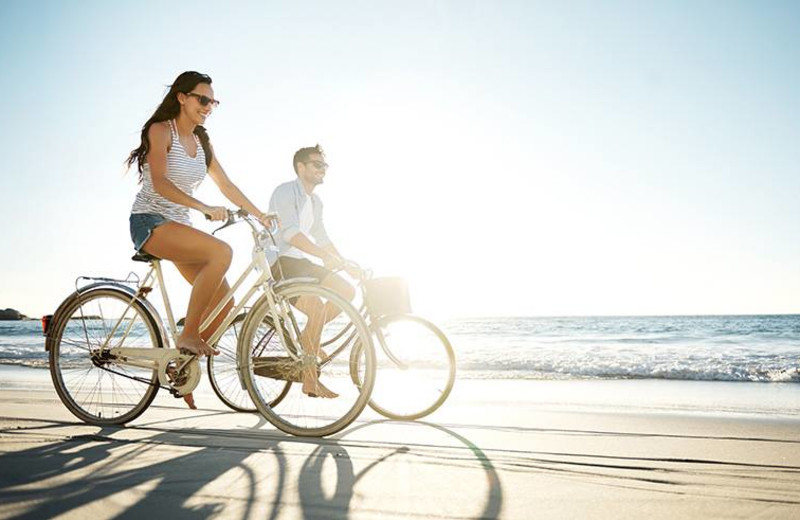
(303, 237)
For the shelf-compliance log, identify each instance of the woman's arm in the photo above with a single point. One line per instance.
(160, 139)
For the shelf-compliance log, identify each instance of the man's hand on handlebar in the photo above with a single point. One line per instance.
(349, 266)
(353, 270)
(332, 262)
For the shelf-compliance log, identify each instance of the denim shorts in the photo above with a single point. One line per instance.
(142, 226)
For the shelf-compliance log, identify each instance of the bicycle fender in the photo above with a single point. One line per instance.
(129, 292)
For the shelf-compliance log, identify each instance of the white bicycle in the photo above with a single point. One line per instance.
(110, 352)
(416, 365)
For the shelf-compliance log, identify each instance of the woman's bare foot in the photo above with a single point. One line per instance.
(189, 398)
(312, 386)
(196, 346)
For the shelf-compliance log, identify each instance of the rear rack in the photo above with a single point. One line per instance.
(131, 279)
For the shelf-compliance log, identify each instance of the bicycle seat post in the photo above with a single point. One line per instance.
(173, 328)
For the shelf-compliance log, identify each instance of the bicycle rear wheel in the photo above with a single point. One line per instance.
(224, 372)
(416, 367)
(267, 373)
(91, 384)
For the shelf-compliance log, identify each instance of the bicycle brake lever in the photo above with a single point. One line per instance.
(223, 226)
(231, 221)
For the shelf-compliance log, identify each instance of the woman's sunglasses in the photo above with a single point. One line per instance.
(204, 100)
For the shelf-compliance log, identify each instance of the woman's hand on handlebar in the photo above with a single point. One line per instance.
(216, 212)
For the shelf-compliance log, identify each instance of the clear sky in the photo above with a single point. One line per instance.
(508, 158)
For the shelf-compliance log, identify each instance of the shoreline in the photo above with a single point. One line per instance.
(780, 400)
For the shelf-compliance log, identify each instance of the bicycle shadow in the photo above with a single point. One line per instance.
(314, 500)
(167, 473)
(69, 474)
(316, 503)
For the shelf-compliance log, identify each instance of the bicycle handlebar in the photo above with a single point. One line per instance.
(240, 214)
(235, 216)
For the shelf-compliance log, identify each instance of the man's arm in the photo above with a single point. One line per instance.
(323, 241)
(282, 202)
(328, 254)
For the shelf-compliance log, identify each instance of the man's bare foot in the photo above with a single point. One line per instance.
(189, 398)
(312, 387)
(196, 346)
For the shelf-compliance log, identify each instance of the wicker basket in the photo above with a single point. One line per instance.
(387, 296)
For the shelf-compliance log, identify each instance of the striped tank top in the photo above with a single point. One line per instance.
(185, 172)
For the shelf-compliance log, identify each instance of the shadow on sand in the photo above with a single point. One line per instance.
(164, 472)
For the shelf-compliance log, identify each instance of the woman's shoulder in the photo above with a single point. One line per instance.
(160, 133)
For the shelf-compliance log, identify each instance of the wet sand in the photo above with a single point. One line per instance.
(496, 449)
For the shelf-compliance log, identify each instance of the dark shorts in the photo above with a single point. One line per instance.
(299, 268)
(142, 226)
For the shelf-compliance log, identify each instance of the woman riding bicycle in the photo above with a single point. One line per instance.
(173, 158)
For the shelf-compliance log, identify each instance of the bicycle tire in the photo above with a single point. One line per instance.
(300, 414)
(93, 387)
(420, 373)
(224, 374)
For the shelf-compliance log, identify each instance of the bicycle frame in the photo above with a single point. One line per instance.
(150, 358)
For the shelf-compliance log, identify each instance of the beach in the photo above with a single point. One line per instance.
(496, 449)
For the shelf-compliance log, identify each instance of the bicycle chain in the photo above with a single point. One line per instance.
(145, 381)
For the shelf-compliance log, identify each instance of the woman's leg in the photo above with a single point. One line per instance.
(190, 272)
(210, 258)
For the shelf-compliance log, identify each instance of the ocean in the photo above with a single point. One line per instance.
(762, 348)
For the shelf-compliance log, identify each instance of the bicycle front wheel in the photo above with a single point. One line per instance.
(416, 367)
(93, 385)
(223, 370)
(311, 318)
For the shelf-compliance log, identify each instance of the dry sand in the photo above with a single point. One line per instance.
(497, 449)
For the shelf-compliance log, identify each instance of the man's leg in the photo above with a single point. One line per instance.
(310, 338)
(318, 314)
(338, 285)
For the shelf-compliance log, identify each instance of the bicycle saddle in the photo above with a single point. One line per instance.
(143, 257)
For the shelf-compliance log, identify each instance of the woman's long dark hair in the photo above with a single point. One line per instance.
(169, 109)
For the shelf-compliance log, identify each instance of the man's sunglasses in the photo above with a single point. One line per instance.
(318, 164)
(204, 100)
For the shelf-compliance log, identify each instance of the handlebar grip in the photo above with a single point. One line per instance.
(231, 213)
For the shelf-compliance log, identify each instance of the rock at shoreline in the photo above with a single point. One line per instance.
(11, 315)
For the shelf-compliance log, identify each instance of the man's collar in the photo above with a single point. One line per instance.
(301, 187)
